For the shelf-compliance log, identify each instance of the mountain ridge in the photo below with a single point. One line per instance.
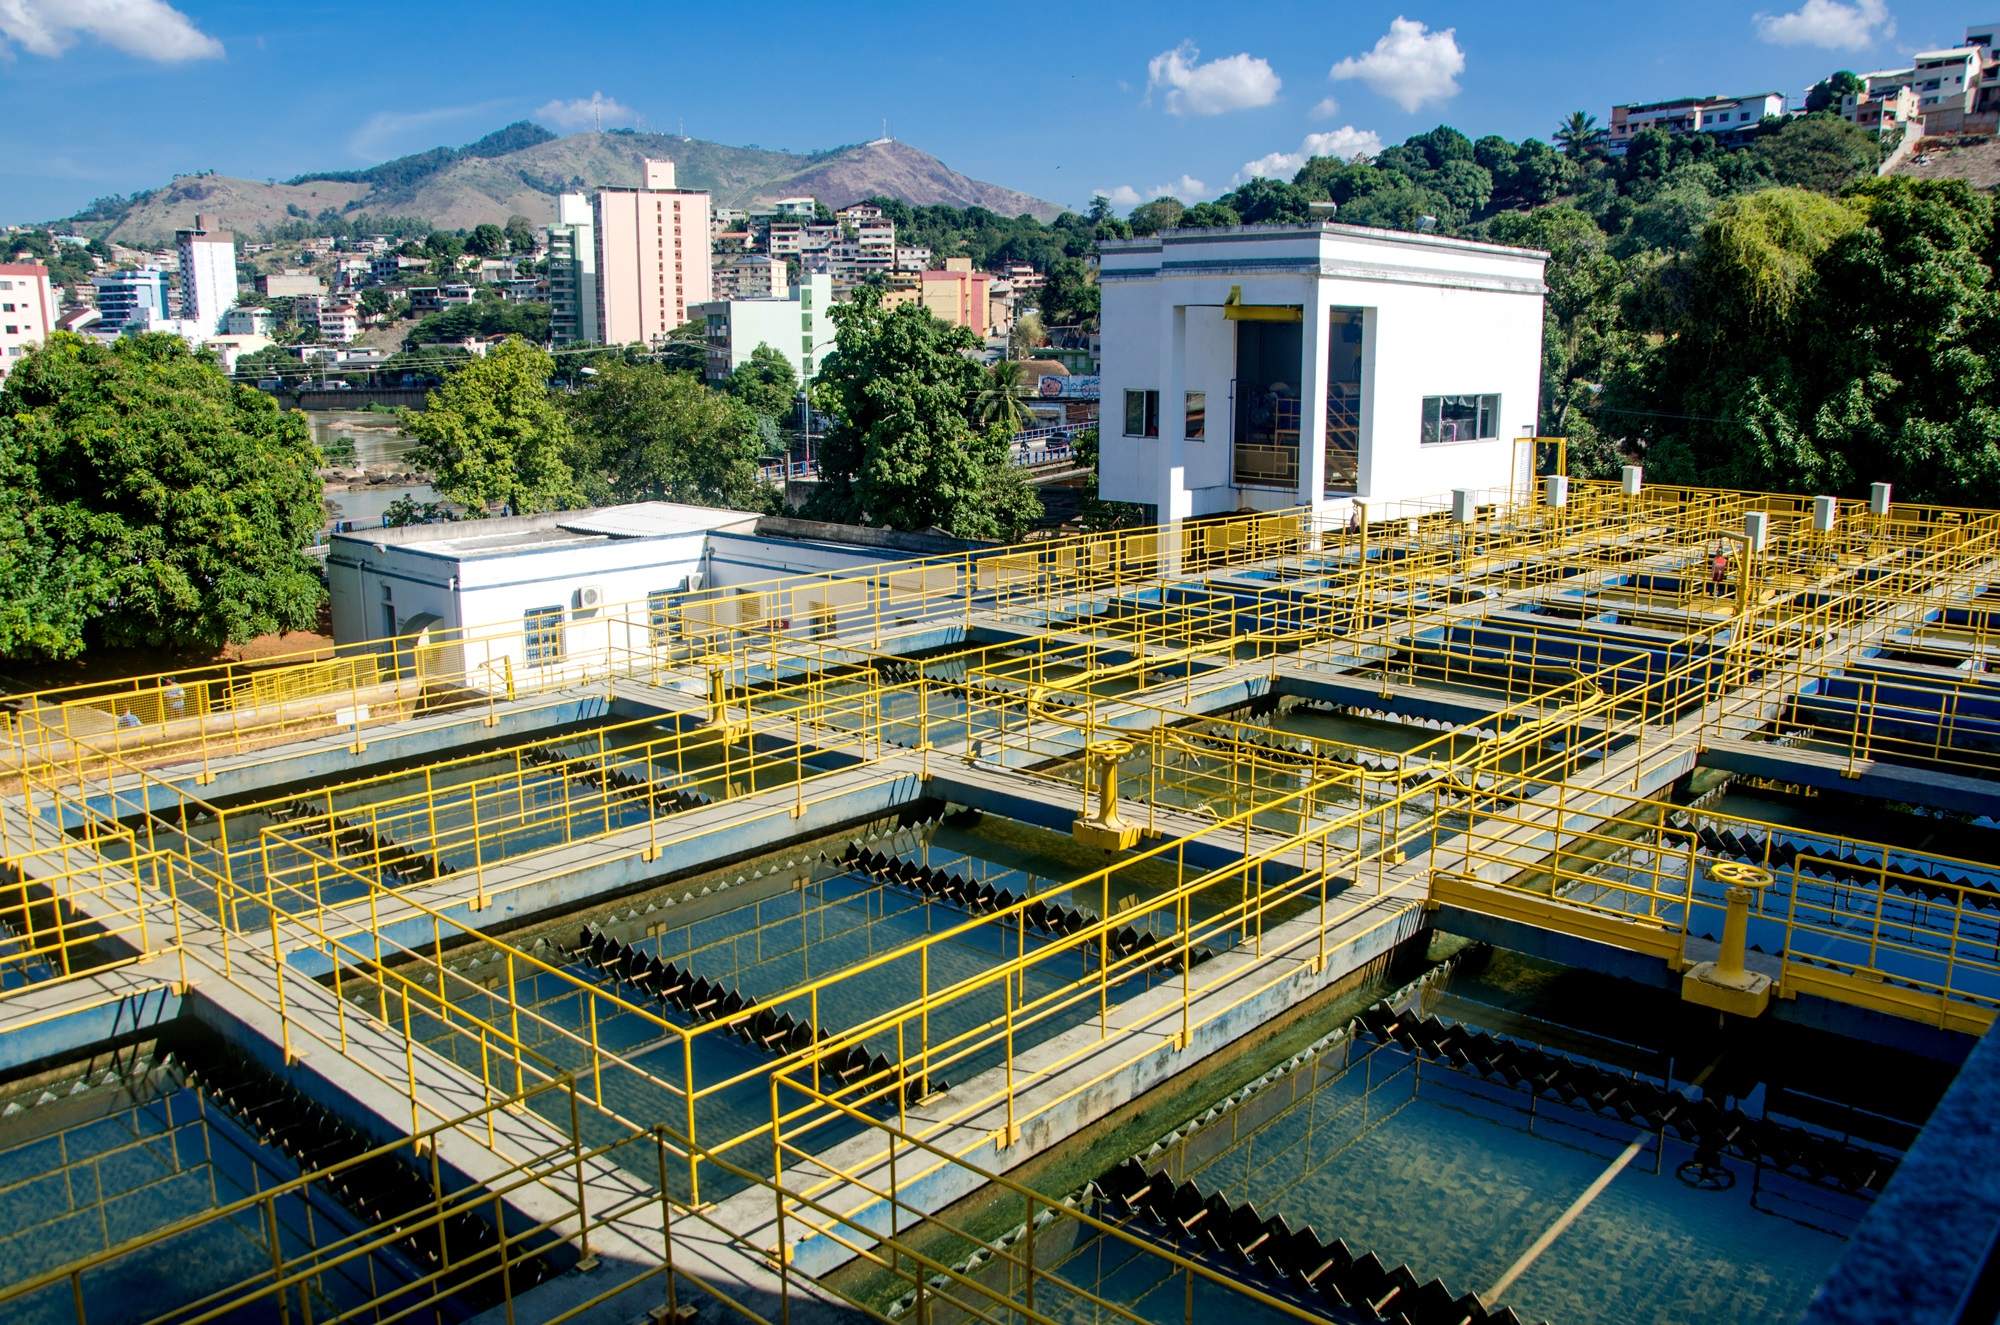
(458, 188)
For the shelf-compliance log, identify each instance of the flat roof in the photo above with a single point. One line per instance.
(541, 533)
(1954, 53)
(1305, 229)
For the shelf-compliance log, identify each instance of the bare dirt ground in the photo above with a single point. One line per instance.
(1976, 161)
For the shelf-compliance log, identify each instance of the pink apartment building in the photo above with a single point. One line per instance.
(652, 256)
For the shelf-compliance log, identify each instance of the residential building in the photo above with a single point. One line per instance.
(912, 257)
(751, 276)
(1985, 38)
(573, 273)
(1716, 114)
(353, 271)
(522, 290)
(958, 294)
(27, 310)
(1273, 366)
(437, 298)
(1023, 277)
(208, 274)
(728, 218)
(249, 322)
(390, 268)
(336, 318)
(804, 207)
(290, 284)
(140, 295)
(653, 260)
(228, 347)
(1886, 111)
(798, 325)
(1947, 84)
(83, 319)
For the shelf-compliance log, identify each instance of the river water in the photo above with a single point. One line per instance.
(380, 447)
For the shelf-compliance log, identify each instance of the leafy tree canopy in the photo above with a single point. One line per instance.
(766, 383)
(492, 435)
(145, 500)
(902, 451)
(646, 434)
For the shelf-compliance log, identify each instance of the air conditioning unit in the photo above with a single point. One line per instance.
(589, 598)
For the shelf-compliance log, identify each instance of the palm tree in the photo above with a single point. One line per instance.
(999, 400)
(1579, 133)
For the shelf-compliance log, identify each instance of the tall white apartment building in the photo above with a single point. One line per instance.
(798, 324)
(573, 273)
(208, 275)
(652, 256)
(27, 310)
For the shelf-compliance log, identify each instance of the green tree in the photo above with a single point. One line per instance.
(1069, 295)
(902, 451)
(1826, 94)
(647, 434)
(766, 383)
(1581, 331)
(520, 234)
(486, 241)
(1579, 134)
(998, 404)
(145, 500)
(1149, 218)
(1822, 152)
(492, 435)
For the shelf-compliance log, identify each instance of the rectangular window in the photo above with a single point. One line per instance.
(1142, 414)
(542, 627)
(1197, 415)
(1460, 418)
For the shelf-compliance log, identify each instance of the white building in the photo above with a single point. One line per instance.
(336, 318)
(1261, 367)
(573, 273)
(1714, 114)
(805, 207)
(1947, 85)
(539, 598)
(542, 585)
(798, 326)
(208, 275)
(27, 310)
(249, 322)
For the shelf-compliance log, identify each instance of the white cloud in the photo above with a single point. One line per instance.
(1410, 65)
(586, 113)
(387, 129)
(1187, 188)
(1124, 195)
(149, 29)
(1346, 142)
(1235, 82)
(1829, 24)
(1325, 108)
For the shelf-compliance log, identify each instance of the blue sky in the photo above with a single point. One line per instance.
(108, 96)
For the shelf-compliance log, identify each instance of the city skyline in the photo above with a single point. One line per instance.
(1132, 102)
